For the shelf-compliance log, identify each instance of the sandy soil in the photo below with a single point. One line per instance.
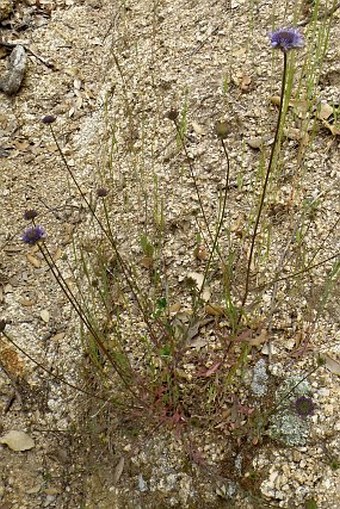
(104, 67)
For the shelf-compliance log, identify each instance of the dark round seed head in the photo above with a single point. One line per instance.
(48, 119)
(172, 114)
(30, 214)
(222, 129)
(304, 406)
(102, 192)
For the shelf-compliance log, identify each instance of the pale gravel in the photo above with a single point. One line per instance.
(164, 66)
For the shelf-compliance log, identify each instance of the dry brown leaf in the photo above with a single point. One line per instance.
(147, 262)
(333, 128)
(21, 145)
(293, 134)
(193, 331)
(206, 294)
(245, 335)
(198, 343)
(118, 470)
(11, 360)
(33, 261)
(201, 253)
(246, 83)
(197, 128)
(301, 107)
(214, 310)
(57, 255)
(58, 337)
(3, 52)
(259, 339)
(237, 226)
(174, 308)
(26, 302)
(205, 373)
(89, 93)
(183, 374)
(325, 111)
(45, 315)
(212, 370)
(51, 147)
(77, 84)
(332, 364)
(79, 102)
(17, 441)
(256, 142)
(269, 349)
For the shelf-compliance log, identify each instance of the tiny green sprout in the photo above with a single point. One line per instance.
(334, 464)
(321, 361)
(160, 306)
(146, 245)
(165, 351)
(311, 504)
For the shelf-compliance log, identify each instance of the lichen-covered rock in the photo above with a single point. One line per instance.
(12, 80)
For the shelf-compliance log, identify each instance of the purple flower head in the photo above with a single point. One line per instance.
(286, 39)
(33, 234)
(304, 406)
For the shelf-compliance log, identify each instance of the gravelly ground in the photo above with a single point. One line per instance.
(137, 60)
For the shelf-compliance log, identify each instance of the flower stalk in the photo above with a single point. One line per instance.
(284, 39)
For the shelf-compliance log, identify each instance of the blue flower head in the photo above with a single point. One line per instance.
(33, 234)
(286, 39)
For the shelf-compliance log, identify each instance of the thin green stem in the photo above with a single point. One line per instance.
(295, 274)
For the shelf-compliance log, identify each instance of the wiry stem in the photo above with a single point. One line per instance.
(270, 168)
(135, 290)
(194, 179)
(220, 221)
(50, 372)
(83, 317)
